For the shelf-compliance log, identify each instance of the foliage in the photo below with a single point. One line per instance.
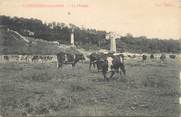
(87, 38)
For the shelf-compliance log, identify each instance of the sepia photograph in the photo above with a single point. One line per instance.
(90, 58)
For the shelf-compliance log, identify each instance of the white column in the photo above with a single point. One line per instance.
(113, 45)
(72, 38)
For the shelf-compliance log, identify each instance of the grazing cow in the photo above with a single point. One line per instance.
(152, 56)
(129, 56)
(144, 57)
(6, 58)
(28, 58)
(49, 58)
(35, 58)
(162, 58)
(116, 65)
(120, 56)
(65, 58)
(132, 56)
(15, 57)
(95, 59)
(42, 59)
(21, 57)
(172, 56)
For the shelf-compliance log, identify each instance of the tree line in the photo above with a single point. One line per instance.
(89, 39)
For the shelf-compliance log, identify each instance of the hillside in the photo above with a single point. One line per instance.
(11, 42)
(86, 38)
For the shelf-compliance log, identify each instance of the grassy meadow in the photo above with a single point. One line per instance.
(148, 89)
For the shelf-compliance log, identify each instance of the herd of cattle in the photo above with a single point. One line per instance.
(53, 58)
(27, 58)
(112, 62)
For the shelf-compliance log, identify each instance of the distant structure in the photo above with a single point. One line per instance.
(72, 38)
(113, 45)
(112, 37)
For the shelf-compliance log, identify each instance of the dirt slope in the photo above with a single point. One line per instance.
(11, 42)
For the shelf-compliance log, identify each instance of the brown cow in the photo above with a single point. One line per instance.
(94, 60)
(66, 58)
(6, 58)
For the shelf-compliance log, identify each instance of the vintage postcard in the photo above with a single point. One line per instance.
(90, 58)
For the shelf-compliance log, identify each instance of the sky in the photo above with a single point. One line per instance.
(151, 18)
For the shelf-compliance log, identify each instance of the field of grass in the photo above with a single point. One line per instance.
(150, 89)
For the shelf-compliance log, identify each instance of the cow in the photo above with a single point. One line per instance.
(162, 58)
(114, 62)
(152, 56)
(172, 56)
(129, 56)
(117, 63)
(144, 57)
(94, 60)
(34, 58)
(43, 59)
(49, 58)
(15, 57)
(6, 58)
(120, 56)
(66, 58)
(28, 58)
(132, 56)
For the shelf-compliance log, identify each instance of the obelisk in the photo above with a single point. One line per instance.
(72, 38)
